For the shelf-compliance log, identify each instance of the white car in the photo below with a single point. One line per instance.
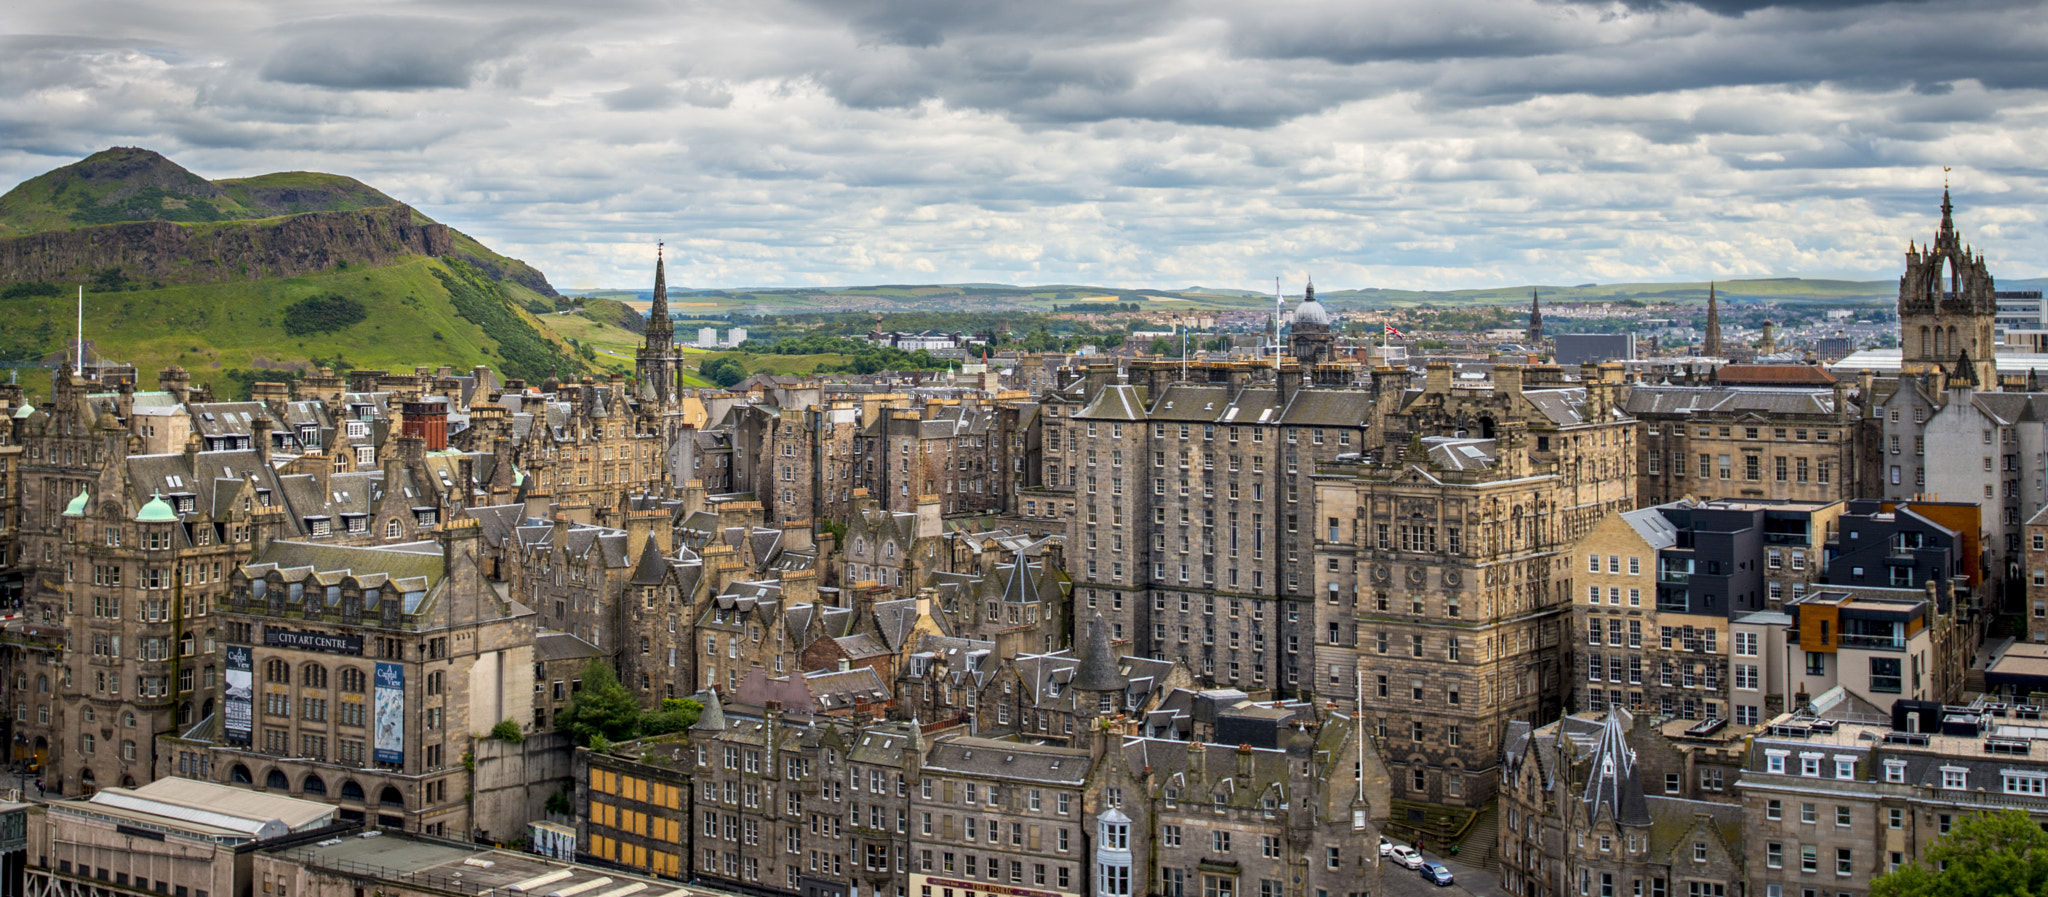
(1386, 846)
(1405, 855)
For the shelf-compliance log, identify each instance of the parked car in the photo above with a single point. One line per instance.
(1436, 874)
(1405, 855)
(1386, 846)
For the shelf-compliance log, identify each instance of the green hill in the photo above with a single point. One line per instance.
(266, 273)
(131, 184)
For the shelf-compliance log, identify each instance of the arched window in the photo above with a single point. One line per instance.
(128, 719)
(391, 530)
(390, 797)
(277, 780)
(185, 645)
(352, 680)
(313, 675)
(277, 670)
(43, 684)
(351, 791)
(314, 785)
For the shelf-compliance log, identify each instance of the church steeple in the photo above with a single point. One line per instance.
(1948, 306)
(1712, 349)
(658, 323)
(658, 367)
(1535, 318)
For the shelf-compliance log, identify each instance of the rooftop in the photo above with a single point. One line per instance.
(457, 868)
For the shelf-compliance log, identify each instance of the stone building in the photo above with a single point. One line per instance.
(362, 676)
(1775, 443)
(1832, 803)
(988, 814)
(899, 550)
(1186, 495)
(1659, 587)
(1576, 819)
(1442, 576)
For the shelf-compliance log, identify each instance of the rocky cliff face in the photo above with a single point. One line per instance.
(229, 251)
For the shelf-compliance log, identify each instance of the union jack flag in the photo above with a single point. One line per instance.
(1394, 331)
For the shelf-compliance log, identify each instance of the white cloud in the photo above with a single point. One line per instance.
(1161, 142)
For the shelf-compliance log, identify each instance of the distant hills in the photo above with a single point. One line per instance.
(233, 276)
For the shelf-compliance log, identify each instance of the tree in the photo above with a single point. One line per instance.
(602, 708)
(1985, 853)
(1162, 346)
(724, 370)
(675, 715)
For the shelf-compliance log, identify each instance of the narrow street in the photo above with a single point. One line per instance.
(1468, 881)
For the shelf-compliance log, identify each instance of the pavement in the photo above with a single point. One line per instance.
(1467, 881)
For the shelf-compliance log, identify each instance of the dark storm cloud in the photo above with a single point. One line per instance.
(383, 53)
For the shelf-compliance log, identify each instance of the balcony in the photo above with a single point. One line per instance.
(1675, 577)
(1872, 642)
(1797, 540)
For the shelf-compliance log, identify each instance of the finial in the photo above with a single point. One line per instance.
(658, 247)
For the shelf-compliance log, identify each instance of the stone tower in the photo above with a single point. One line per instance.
(1712, 349)
(1098, 686)
(1535, 319)
(1945, 325)
(1313, 340)
(657, 364)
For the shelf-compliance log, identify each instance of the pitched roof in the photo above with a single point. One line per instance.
(1613, 786)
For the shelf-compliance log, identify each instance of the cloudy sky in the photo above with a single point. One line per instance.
(1438, 145)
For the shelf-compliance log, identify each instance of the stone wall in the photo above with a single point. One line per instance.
(513, 782)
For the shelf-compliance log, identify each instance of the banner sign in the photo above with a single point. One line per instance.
(313, 641)
(390, 744)
(239, 709)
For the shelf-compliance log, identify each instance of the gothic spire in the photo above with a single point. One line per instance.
(1948, 222)
(657, 317)
(1535, 317)
(1713, 338)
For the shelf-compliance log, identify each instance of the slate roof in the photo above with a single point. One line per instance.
(1116, 401)
(1614, 788)
(1007, 760)
(549, 645)
(1724, 400)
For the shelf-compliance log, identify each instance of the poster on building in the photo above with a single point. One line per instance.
(390, 744)
(241, 694)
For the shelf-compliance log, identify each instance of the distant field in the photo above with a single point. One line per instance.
(898, 298)
(615, 346)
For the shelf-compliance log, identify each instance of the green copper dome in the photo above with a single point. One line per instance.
(77, 506)
(156, 511)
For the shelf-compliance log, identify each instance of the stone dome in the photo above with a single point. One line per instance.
(1312, 312)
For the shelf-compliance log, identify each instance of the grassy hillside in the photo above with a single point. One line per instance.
(412, 316)
(132, 184)
(383, 286)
